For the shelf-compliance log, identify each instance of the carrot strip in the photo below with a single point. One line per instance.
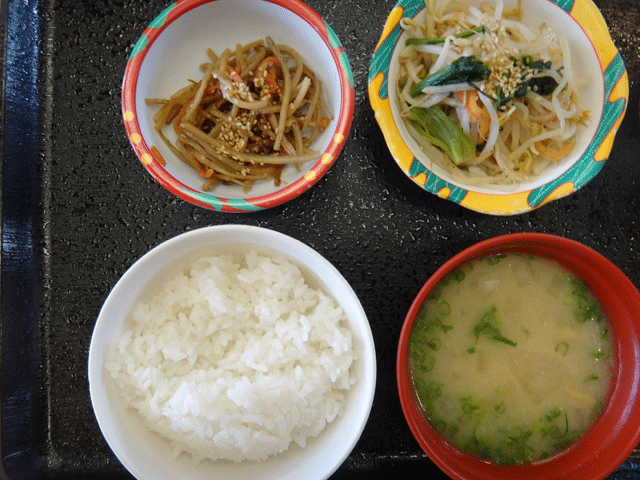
(210, 90)
(178, 119)
(471, 104)
(158, 156)
(477, 112)
(267, 60)
(485, 123)
(201, 171)
(554, 154)
(234, 75)
(270, 76)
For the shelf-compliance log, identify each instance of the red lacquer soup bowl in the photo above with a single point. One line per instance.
(616, 432)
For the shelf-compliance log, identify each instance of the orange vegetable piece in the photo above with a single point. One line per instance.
(178, 119)
(200, 169)
(477, 112)
(158, 156)
(555, 154)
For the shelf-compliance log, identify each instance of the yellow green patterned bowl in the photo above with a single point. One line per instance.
(605, 95)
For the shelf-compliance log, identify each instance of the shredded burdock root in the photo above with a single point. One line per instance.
(257, 109)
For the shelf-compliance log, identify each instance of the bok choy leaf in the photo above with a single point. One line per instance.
(435, 126)
(461, 70)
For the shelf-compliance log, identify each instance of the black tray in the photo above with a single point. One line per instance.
(78, 209)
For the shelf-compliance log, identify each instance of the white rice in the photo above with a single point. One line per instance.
(235, 359)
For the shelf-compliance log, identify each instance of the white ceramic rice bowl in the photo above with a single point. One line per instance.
(149, 457)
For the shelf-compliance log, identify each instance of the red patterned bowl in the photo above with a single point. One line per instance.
(169, 53)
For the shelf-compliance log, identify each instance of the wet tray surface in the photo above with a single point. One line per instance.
(78, 209)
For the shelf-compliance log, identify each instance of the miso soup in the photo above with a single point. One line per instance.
(511, 358)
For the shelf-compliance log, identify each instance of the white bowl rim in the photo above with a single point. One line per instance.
(360, 398)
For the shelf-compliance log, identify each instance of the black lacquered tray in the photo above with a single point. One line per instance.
(78, 209)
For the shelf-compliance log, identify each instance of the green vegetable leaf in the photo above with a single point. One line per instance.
(438, 40)
(434, 325)
(434, 125)
(544, 85)
(434, 343)
(430, 391)
(553, 414)
(521, 450)
(422, 361)
(495, 259)
(469, 405)
(487, 326)
(461, 70)
(444, 308)
(585, 307)
(553, 430)
(458, 275)
(563, 348)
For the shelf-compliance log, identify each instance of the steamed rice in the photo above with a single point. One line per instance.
(235, 359)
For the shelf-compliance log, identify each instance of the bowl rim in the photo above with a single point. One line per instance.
(281, 194)
(616, 97)
(182, 248)
(613, 437)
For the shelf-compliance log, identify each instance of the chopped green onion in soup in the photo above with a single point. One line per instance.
(521, 368)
